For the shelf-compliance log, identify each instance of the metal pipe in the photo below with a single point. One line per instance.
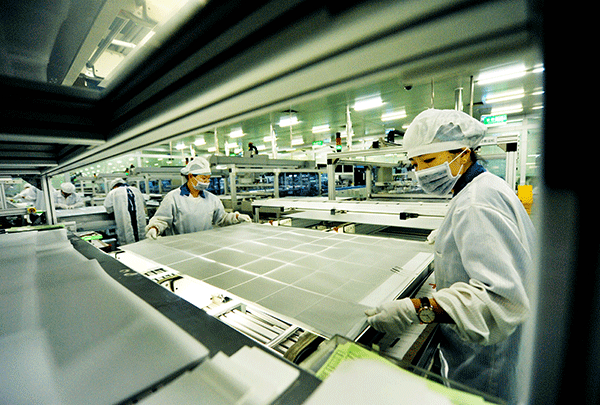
(458, 104)
(49, 201)
(216, 143)
(471, 89)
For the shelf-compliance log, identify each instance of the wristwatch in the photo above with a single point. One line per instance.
(425, 313)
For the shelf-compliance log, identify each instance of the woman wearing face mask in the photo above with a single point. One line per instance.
(191, 208)
(483, 258)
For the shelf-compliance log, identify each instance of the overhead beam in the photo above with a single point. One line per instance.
(76, 139)
(11, 164)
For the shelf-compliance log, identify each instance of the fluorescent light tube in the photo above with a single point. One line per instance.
(321, 128)
(288, 121)
(501, 74)
(238, 133)
(123, 43)
(368, 103)
(394, 115)
(505, 96)
(510, 109)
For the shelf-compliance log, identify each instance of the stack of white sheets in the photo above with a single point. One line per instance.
(70, 334)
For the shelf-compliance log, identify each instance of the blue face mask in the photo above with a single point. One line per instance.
(438, 180)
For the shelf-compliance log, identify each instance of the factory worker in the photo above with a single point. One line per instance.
(483, 258)
(127, 203)
(191, 208)
(32, 195)
(28, 194)
(67, 198)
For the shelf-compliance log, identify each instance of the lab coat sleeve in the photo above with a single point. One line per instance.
(78, 201)
(109, 202)
(222, 218)
(163, 218)
(494, 302)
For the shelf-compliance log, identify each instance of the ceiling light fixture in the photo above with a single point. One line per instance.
(502, 74)
(510, 109)
(124, 44)
(504, 96)
(238, 133)
(320, 129)
(368, 103)
(288, 121)
(394, 115)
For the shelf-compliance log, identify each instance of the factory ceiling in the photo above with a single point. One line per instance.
(87, 84)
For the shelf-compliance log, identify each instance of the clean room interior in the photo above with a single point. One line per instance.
(326, 218)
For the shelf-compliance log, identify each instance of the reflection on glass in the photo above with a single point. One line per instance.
(82, 43)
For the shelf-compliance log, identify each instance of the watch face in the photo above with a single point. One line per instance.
(426, 315)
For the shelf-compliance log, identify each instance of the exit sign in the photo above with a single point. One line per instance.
(318, 143)
(494, 119)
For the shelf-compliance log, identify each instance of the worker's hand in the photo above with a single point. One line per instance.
(70, 207)
(431, 237)
(61, 206)
(393, 317)
(152, 233)
(243, 218)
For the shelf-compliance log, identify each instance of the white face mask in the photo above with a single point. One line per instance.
(201, 186)
(438, 180)
(198, 185)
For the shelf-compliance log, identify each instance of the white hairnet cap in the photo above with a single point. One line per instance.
(435, 131)
(113, 183)
(68, 188)
(197, 166)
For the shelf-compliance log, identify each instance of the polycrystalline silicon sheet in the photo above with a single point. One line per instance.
(70, 333)
(317, 278)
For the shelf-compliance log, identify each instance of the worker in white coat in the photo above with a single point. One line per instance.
(483, 258)
(191, 208)
(127, 204)
(67, 198)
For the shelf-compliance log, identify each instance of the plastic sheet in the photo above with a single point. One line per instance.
(71, 334)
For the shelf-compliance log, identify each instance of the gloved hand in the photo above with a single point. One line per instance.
(431, 237)
(152, 233)
(243, 218)
(70, 207)
(393, 317)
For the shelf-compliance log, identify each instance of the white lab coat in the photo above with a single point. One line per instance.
(73, 200)
(34, 196)
(127, 213)
(180, 213)
(483, 262)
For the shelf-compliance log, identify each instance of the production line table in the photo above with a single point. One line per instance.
(384, 213)
(319, 280)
